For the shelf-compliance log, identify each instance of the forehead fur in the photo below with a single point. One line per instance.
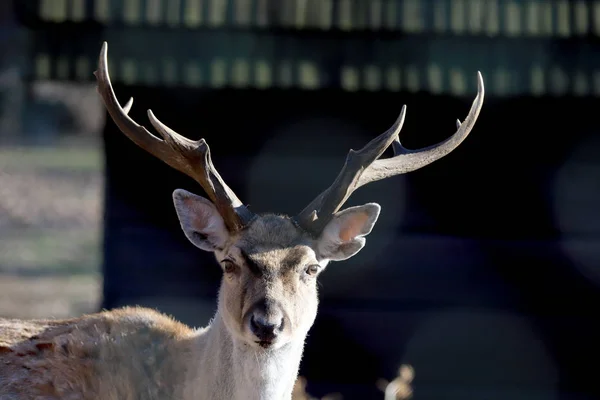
(273, 241)
(270, 232)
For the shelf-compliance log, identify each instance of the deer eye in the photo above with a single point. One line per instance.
(229, 267)
(312, 269)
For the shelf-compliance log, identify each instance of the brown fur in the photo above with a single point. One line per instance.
(137, 353)
(67, 359)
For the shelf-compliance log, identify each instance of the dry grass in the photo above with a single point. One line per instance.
(47, 297)
(300, 392)
(50, 225)
(399, 388)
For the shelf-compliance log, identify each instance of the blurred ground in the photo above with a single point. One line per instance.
(50, 230)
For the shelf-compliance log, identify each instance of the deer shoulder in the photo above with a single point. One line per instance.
(109, 355)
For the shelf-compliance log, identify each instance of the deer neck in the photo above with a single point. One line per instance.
(225, 368)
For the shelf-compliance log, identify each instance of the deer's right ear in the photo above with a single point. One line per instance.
(200, 220)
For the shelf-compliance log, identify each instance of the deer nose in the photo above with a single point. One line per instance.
(266, 329)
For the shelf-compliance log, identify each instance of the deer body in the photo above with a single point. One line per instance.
(124, 354)
(267, 301)
(139, 354)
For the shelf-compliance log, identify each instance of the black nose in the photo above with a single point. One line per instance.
(265, 329)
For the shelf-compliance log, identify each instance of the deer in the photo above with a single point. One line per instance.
(267, 300)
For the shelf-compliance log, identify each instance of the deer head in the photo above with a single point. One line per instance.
(268, 295)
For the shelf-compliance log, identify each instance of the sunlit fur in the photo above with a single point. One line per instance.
(282, 252)
(137, 353)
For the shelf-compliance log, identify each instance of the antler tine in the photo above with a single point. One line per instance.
(185, 155)
(314, 216)
(405, 160)
(364, 166)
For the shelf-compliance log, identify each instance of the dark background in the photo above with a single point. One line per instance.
(483, 270)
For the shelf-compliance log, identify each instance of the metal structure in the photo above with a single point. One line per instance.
(527, 47)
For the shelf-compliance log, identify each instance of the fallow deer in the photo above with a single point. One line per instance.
(267, 300)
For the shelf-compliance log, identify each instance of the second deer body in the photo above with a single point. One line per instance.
(267, 300)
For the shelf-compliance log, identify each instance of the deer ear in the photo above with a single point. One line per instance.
(200, 220)
(343, 236)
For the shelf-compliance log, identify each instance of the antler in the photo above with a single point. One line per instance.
(188, 156)
(364, 166)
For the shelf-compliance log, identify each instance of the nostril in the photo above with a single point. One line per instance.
(264, 329)
(280, 327)
(254, 326)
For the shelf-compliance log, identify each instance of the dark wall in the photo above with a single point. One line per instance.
(481, 272)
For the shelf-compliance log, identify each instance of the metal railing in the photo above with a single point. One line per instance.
(528, 47)
(509, 18)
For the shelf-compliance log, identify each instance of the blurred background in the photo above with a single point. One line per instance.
(483, 272)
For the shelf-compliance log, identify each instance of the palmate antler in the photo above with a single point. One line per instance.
(188, 156)
(364, 166)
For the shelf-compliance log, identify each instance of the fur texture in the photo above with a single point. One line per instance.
(269, 275)
(132, 353)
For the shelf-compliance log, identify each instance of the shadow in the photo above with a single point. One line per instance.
(500, 190)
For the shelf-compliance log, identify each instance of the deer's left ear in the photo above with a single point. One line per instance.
(343, 236)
